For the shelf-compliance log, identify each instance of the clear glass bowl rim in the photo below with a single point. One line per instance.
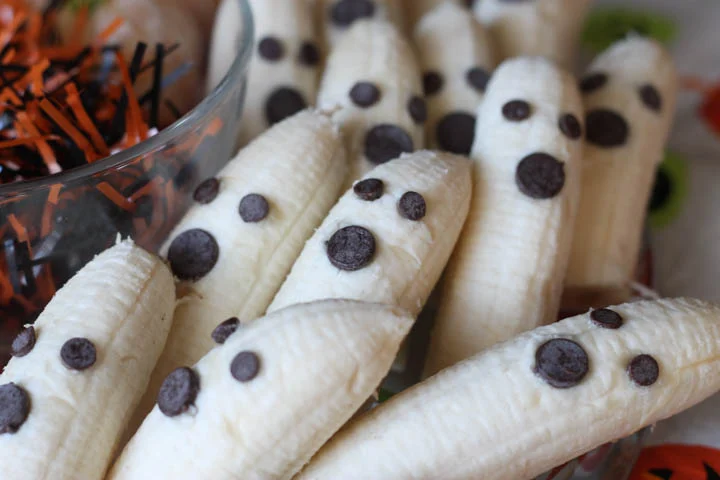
(179, 128)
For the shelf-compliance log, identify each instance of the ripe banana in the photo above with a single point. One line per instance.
(550, 28)
(456, 60)
(77, 374)
(388, 238)
(543, 398)
(373, 83)
(338, 16)
(225, 41)
(284, 69)
(234, 248)
(629, 94)
(416, 9)
(260, 405)
(506, 275)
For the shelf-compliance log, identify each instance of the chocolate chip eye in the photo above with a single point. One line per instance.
(282, 103)
(412, 206)
(207, 191)
(651, 97)
(369, 189)
(570, 126)
(345, 12)
(516, 110)
(643, 370)
(223, 331)
(253, 208)
(351, 248)
(432, 83)
(562, 363)
(178, 391)
(23, 343)
(417, 109)
(78, 354)
(271, 49)
(14, 407)
(540, 176)
(245, 366)
(309, 54)
(193, 254)
(606, 128)
(592, 82)
(606, 318)
(478, 78)
(364, 94)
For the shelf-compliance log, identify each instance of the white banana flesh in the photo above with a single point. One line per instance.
(456, 60)
(416, 9)
(550, 28)
(372, 83)
(305, 370)
(233, 249)
(225, 42)
(285, 66)
(95, 345)
(371, 250)
(338, 16)
(629, 95)
(662, 357)
(506, 274)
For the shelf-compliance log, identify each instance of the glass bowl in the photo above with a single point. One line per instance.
(52, 226)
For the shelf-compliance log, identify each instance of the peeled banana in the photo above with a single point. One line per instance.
(338, 16)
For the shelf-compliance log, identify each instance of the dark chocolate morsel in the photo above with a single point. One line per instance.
(606, 128)
(369, 189)
(651, 97)
(345, 12)
(192, 254)
(207, 191)
(412, 206)
(245, 366)
(253, 208)
(364, 94)
(23, 343)
(271, 49)
(309, 54)
(540, 176)
(516, 110)
(223, 331)
(78, 353)
(643, 370)
(351, 248)
(178, 391)
(14, 407)
(606, 318)
(283, 103)
(386, 142)
(478, 78)
(570, 126)
(562, 363)
(432, 83)
(455, 132)
(417, 109)
(592, 82)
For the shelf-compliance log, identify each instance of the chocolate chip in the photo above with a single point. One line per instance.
(309, 54)
(570, 126)
(469, 3)
(643, 370)
(78, 353)
(432, 83)
(651, 97)
(385, 142)
(364, 94)
(561, 363)
(455, 132)
(283, 103)
(412, 206)
(540, 176)
(271, 49)
(178, 391)
(253, 208)
(351, 248)
(478, 78)
(592, 82)
(606, 128)
(14, 407)
(23, 343)
(369, 189)
(207, 191)
(417, 109)
(345, 12)
(606, 318)
(192, 254)
(223, 331)
(245, 366)
(516, 110)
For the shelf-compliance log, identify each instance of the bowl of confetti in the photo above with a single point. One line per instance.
(104, 131)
